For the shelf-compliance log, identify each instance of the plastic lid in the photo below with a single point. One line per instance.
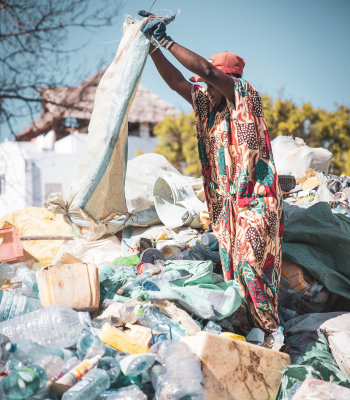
(84, 318)
(10, 347)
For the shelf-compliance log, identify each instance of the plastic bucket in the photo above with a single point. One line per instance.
(176, 202)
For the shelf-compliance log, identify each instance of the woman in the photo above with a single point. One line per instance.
(239, 175)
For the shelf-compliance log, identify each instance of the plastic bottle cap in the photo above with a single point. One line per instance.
(10, 347)
(138, 311)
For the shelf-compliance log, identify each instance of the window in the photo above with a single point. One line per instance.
(52, 188)
(2, 184)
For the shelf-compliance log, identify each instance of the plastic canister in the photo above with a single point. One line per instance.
(75, 286)
(120, 341)
(253, 372)
(296, 276)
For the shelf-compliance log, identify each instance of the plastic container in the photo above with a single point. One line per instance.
(213, 328)
(67, 258)
(74, 286)
(29, 380)
(13, 305)
(4, 355)
(140, 333)
(150, 316)
(120, 341)
(249, 371)
(299, 279)
(132, 283)
(54, 326)
(181, 376)
(28, 351)
(94, 383)
(278, 336)
(11, 247)
(131, 392)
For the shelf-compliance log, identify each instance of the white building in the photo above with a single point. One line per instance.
(46, 156)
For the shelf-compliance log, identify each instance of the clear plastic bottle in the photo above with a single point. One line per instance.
(112, 367)
(28, 351)
(181, 376)
(7, 271)
(136, 364)
(213, 328)
(29, 380)
(150, 316)
(278, 336)
(86, 340)
(4, 356)
(131, 392)
(135, 282)
(53, 326)
(94, 383)
(44, 394)
(13, 305)
(28, 278)
(127, 315)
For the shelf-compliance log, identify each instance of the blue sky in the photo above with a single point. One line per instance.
(301, 47)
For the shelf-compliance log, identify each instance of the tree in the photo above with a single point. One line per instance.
(32, 56)
(178, 142)
(317, 127)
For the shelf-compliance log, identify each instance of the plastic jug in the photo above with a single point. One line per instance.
(249, 371)
(120, 341)
(75, 286)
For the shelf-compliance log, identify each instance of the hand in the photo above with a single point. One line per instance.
(153, 24)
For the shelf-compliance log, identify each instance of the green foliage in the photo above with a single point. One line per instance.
(317, 127)
(178, 143)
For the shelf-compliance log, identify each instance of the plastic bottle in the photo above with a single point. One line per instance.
(29, 380)
(213, 328)
(135, 282)
(28, 351)
(70, 364)
(155, 282)
(150, 316)
(76, 373)
(4, 356)
(127, 314)
(85, 340)
(207, 239)
(7, 271)
(53, 326)
(28, 278)
(111, 366)
(278, 336)
(44, 394)
(13, 305)
(94, 383)
(131, 392)
(136, 364)
(181, 376)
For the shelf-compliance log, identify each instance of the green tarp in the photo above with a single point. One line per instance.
(204, 294)
(316, 362)
(319, 240)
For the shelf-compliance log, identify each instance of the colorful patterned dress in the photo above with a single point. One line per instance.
(243, 196)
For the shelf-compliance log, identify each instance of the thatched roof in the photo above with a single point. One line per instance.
(78, 102)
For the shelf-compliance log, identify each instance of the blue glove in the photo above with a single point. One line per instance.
(154, 25)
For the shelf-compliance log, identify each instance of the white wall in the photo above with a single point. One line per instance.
(28, 170)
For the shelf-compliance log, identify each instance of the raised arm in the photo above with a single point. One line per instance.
(172, 76)
(192, 61)
(199, 66)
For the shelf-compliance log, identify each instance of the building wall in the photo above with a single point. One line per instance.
(30, 174)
